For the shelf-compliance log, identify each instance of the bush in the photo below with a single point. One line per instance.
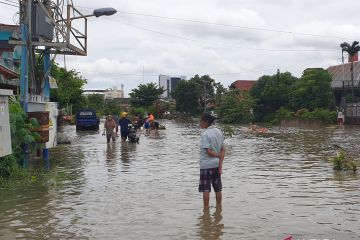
(323, 114)
(20, 126)
(302, 113)
(283, 113)
(344, 162)
(10, 168)
(140, 110)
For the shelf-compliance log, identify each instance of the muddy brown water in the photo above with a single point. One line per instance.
(274, 185)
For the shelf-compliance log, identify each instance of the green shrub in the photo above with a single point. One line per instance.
(302, 113)
(9, 167)
(283, 113)
(140, 110)
(20, 126)
(323, 114)
(344, 162)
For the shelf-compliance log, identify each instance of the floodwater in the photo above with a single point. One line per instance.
(274, 186)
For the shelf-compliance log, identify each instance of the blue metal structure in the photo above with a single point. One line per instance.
(46, 152)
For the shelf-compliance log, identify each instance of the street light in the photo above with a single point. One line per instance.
(98, 13)
(104, 12)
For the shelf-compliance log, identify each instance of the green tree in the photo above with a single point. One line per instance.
(220, 91)
(96, 102)
(312, 91)
(272, 92)
(112, 107)
(191, 96)
(70, 88)
(205, 87)
(236, 107)
(352, 50)
(186, 97)
(145, 95)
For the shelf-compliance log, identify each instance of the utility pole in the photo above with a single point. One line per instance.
(53, 33)
(24, 18)
(25, 14)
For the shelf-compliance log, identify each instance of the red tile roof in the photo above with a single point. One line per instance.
(244, 85)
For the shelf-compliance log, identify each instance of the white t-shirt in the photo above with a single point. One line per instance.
(212, 138)
(340, 115)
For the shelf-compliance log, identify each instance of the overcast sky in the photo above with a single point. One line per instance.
(247, 39)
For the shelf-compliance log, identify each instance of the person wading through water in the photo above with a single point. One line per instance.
(212, 153)
(109, 127)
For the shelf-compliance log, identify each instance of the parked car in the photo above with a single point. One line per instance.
(86, 119)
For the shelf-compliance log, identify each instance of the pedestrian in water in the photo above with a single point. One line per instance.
(148, 125)
(340, 116)
(124, 126)
(212, 153)
(109, 127)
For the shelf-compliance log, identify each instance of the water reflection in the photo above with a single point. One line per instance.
(275, 184)
(127, 151)
(111, 156)
(210, 226)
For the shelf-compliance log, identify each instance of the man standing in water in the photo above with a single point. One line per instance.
(109, 127)
(212, 153)
(124, 126)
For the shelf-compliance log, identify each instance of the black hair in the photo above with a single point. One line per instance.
(207, 117)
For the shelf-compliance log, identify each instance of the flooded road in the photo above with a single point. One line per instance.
(275, 185)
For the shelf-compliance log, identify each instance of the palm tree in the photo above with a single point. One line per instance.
(352, 50)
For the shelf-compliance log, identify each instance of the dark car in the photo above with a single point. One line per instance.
(86, 119)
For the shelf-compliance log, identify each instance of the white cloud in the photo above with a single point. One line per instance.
(117, 53)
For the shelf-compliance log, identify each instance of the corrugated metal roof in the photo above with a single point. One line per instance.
(7, 27)
(8, 72)
(341, 73)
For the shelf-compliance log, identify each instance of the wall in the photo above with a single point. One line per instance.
(306, 123)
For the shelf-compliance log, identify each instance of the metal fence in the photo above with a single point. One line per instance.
(352, 113)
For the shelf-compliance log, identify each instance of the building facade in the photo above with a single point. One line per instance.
(169, 83)
(114, 93)
(108, 94)
(9, 58)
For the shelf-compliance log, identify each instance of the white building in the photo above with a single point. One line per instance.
(109, 94)
(114, 93)
(169, 83)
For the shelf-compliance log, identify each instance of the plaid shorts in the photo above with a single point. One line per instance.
(210, 177)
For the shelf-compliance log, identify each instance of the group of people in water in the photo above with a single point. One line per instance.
(112, 125)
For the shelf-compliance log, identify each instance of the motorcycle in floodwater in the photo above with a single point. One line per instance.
(133, 136)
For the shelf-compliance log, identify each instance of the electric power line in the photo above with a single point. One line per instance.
(9, 4)
(225, 25)
(230, 25)
(203, 42)
(12, 2)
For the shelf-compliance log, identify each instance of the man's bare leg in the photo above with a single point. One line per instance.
(206, 198)
(218, 199)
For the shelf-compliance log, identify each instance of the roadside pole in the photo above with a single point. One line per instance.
(25, 11)
(46, 152)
